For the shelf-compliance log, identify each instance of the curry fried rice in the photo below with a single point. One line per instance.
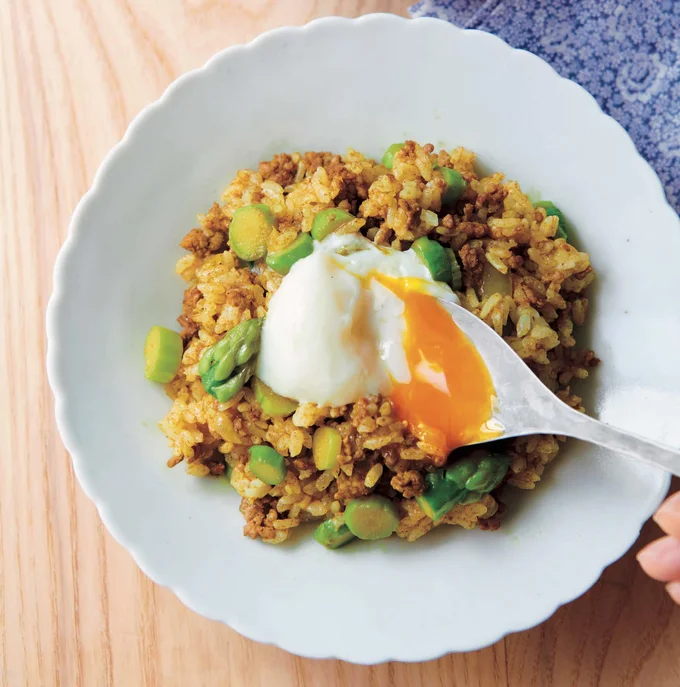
(517, 276)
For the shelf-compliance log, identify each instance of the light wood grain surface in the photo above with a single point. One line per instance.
(74, 608)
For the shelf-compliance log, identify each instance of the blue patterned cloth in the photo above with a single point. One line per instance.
(626, 53)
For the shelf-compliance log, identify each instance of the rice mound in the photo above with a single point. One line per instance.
(493, 224)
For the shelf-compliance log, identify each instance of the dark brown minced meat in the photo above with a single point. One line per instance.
(259, 515)
(212, 235)
(472, 259)
(199, 242)
(410, 483)
(208, 454)
(281, 169)
(189, 328)
(314, 160)
(352, 486)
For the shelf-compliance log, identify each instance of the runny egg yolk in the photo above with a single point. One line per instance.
(448, 401)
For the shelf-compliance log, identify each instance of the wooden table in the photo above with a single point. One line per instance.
(75, 609)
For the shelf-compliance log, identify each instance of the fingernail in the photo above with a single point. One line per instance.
(644, 554)
(673, 589)
(654, 551)
(669, 508)
(661, 559)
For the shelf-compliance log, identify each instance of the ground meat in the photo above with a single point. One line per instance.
(211, 237)
(515, 262)
(191, 297)
(259, 515)
(590, 359)
(335, 166)
(207, 453)
(365, 407)
(216, 464)
(468, 197)
(281, 169)
(467, 211)
(472, 258)
(352, 192)
(195, 241)
(391, 456)
(352, 486)
(199, 242)
(409, 483)
(315, 160)
(218, 242)
(189, 328)
(203, 452)
(209, 456)
(371, 223)
(491, 203)
(489, 524)
(383, 236)
(350, 450)
(408, 215)
(586, 358)
(215, 221)
(238, 297)
(466, 225)
(304, 463)
(447, 221)
(352, 187)
(473, 230)
(241, 425)
(530, 291)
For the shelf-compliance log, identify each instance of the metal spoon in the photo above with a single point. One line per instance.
(527, 406)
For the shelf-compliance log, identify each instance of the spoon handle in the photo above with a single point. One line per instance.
(578, 425)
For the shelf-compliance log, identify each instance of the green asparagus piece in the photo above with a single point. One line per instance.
(267, 464)
(249, 231)
(371, 517)
(455, 184)
(456, 273)
(243, 334)
(163, 354)
(223, 368)
(282, 260)
(481, 472)
(272, 403)
(388, 157)
(440, 495)
(227, 365)
(229, 389)
(435, 258)
(327, 221)
(250, 344)
(466, 481)
(331, 537)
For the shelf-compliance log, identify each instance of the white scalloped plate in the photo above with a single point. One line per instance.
(363, 83)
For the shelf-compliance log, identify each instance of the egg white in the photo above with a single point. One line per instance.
(333, 334)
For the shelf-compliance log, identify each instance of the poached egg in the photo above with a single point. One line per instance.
(353, 319)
